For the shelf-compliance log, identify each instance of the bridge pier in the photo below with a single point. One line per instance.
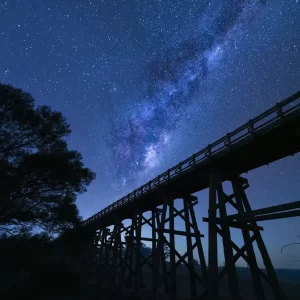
(124, 267)
(193, 242)
(250, 146)
(115, 256)
(273, 280)
(134, 261)
(125, 263)
(220, 225)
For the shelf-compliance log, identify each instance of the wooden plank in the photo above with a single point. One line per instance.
(173, 285)
(235, 224)
(252, 263)
(192, 277)
(268, 210)
(183, 233)
(228, 252)
(213, 268)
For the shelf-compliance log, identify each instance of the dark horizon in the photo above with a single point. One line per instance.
(145, 84)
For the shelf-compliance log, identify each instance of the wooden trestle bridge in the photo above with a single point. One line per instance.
(270, 136)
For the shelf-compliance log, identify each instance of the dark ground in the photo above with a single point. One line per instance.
(48, 280)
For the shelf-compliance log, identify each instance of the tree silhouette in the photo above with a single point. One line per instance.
(144, 250)
(166, 251)
(40, 177)
(147, 251)
(196, 262)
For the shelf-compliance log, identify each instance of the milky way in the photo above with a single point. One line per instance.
(146, 83)
(171, 81)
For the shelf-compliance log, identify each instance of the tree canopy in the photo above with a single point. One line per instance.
(147, 251)
(40, 177)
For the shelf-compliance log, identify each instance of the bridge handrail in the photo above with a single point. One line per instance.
(224, 142)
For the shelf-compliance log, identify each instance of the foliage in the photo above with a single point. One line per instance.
(39, 176)
(145, 251)
(23, 250)
(166, 251)
(27, 262)
(74, 241)
(196, 262)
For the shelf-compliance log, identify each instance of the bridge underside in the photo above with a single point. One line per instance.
(263, 147)
(121, 259)
(161, 273)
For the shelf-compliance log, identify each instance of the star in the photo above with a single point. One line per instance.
(145, 84)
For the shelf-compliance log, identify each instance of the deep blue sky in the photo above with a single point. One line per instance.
(144, 84)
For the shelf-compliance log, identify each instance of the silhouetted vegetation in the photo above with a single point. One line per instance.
(147, 251)
(40, 176)
(40, 179)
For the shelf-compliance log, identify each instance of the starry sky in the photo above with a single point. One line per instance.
(145, 84)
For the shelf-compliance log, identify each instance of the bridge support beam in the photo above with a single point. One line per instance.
(107, 249)
(133, 260)
(125, 266)
(220, 225)
(166, 227)
(115, 255)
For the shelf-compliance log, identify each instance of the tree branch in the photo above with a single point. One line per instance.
(289, 245)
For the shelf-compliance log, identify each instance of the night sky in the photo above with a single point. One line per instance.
(145, 84)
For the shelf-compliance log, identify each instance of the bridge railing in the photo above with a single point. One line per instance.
(279, 111)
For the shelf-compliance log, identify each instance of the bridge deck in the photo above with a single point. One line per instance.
(272, 135)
